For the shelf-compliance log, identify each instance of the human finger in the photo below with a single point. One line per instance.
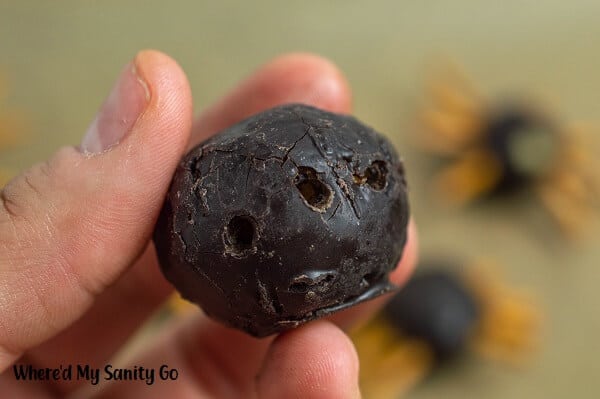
(69, 227)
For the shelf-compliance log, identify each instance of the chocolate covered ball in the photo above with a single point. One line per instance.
(288, 216)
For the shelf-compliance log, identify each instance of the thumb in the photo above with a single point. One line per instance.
(73, 224)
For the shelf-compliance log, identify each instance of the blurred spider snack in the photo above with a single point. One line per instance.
(441, 315)
(493, 147)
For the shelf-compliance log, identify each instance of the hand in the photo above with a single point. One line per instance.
(77, 272)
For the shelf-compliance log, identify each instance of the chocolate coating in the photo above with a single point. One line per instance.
(290, 215)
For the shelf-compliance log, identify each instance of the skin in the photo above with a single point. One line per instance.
(78, 274)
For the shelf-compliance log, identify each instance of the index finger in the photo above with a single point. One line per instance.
(296, 77)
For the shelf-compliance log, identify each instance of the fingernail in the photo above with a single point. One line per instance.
(119, 113)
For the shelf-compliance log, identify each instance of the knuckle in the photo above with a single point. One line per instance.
(17, 194)
(29, 210)
(31, 192)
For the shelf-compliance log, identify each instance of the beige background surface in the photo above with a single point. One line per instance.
(61, 59)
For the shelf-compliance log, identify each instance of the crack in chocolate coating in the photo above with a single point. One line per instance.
(288, 216)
